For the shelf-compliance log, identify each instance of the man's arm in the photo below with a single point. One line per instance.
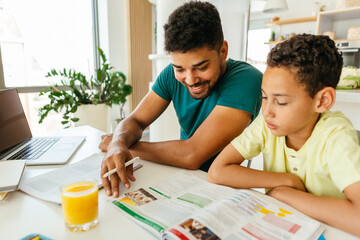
(127, 133)
(337, 212)
(220, 127)
(226, 170)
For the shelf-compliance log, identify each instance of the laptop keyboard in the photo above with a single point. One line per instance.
(34, 149)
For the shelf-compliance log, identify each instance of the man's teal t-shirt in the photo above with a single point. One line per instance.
(239, 88)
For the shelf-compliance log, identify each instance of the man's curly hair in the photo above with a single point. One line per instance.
(315, 59)
(194, 24)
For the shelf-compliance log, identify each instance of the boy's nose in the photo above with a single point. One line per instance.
(267, 110)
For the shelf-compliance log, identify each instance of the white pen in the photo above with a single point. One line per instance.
(126, 164)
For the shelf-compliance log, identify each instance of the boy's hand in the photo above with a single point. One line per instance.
(278, 192)
(295, 182)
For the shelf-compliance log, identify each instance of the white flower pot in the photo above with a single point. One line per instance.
(97, 116)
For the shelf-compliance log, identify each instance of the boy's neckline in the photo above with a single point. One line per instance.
(298, 149)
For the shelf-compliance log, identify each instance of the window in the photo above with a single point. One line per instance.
(38, 35)
(258, 35)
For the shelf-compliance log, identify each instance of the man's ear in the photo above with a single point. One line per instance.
(224, 51)
(325, 99)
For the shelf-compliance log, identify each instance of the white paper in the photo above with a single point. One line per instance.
(47, 186)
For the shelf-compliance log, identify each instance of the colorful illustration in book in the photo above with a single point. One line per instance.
(138, 197)
(198, 230)
(265, 211)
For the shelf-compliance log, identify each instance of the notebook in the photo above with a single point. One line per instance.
(17, 142)
(10, 175)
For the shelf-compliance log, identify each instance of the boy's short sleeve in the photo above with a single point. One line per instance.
(164, 83)
(252, 140)
(343, 158)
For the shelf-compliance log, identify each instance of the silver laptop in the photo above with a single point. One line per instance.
(17, 143)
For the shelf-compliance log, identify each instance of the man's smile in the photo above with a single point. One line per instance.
(197, 87)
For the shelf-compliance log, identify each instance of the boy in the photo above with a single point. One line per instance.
(311, 155)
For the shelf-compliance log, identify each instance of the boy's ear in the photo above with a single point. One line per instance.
(325, 99)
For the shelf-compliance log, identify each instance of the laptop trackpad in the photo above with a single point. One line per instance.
(63, 146)
(60, 152)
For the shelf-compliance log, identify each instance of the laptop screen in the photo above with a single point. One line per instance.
(14, 127)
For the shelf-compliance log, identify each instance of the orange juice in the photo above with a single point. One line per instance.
(80, 202)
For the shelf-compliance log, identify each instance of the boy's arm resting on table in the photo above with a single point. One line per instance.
(226, 170)
(211, 137)
(337, 212)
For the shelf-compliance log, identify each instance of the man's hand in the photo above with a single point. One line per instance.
(105, 141)
(116, 157)
(127, 134)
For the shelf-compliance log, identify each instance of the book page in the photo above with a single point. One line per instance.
(164, 204)
(245, 216)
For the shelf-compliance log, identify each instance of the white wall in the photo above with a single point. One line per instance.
(351, 110)
(113, 40)
(234, 20)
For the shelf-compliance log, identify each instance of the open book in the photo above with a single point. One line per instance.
(186, 207)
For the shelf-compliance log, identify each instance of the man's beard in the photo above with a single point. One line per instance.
(202, 95)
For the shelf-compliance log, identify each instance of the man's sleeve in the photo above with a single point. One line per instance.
(243, 90)
(162, 85)
(252, 140)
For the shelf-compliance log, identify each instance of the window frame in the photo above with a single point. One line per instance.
(96, 41)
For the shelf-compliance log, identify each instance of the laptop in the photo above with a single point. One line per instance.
(17, 142)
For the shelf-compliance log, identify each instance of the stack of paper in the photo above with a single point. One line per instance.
(10, 174)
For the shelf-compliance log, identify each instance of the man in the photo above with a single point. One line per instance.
(214, 99)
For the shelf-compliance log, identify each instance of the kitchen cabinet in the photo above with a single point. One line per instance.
(338, 21)
(294, 21)
(348, 96)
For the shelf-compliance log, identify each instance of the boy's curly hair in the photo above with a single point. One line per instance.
(194, 24)
(316, 60)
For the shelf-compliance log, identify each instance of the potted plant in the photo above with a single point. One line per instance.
(106, 88)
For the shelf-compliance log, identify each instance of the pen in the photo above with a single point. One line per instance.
(126, 164)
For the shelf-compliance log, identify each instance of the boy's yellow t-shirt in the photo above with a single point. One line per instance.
(327, 163)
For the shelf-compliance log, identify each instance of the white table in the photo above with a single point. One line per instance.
(23, 214)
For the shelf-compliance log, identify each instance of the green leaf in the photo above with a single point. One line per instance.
(73, 109)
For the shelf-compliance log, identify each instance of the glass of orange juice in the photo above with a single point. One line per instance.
(80, 204)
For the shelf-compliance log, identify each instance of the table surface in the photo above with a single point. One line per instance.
(23, 214)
